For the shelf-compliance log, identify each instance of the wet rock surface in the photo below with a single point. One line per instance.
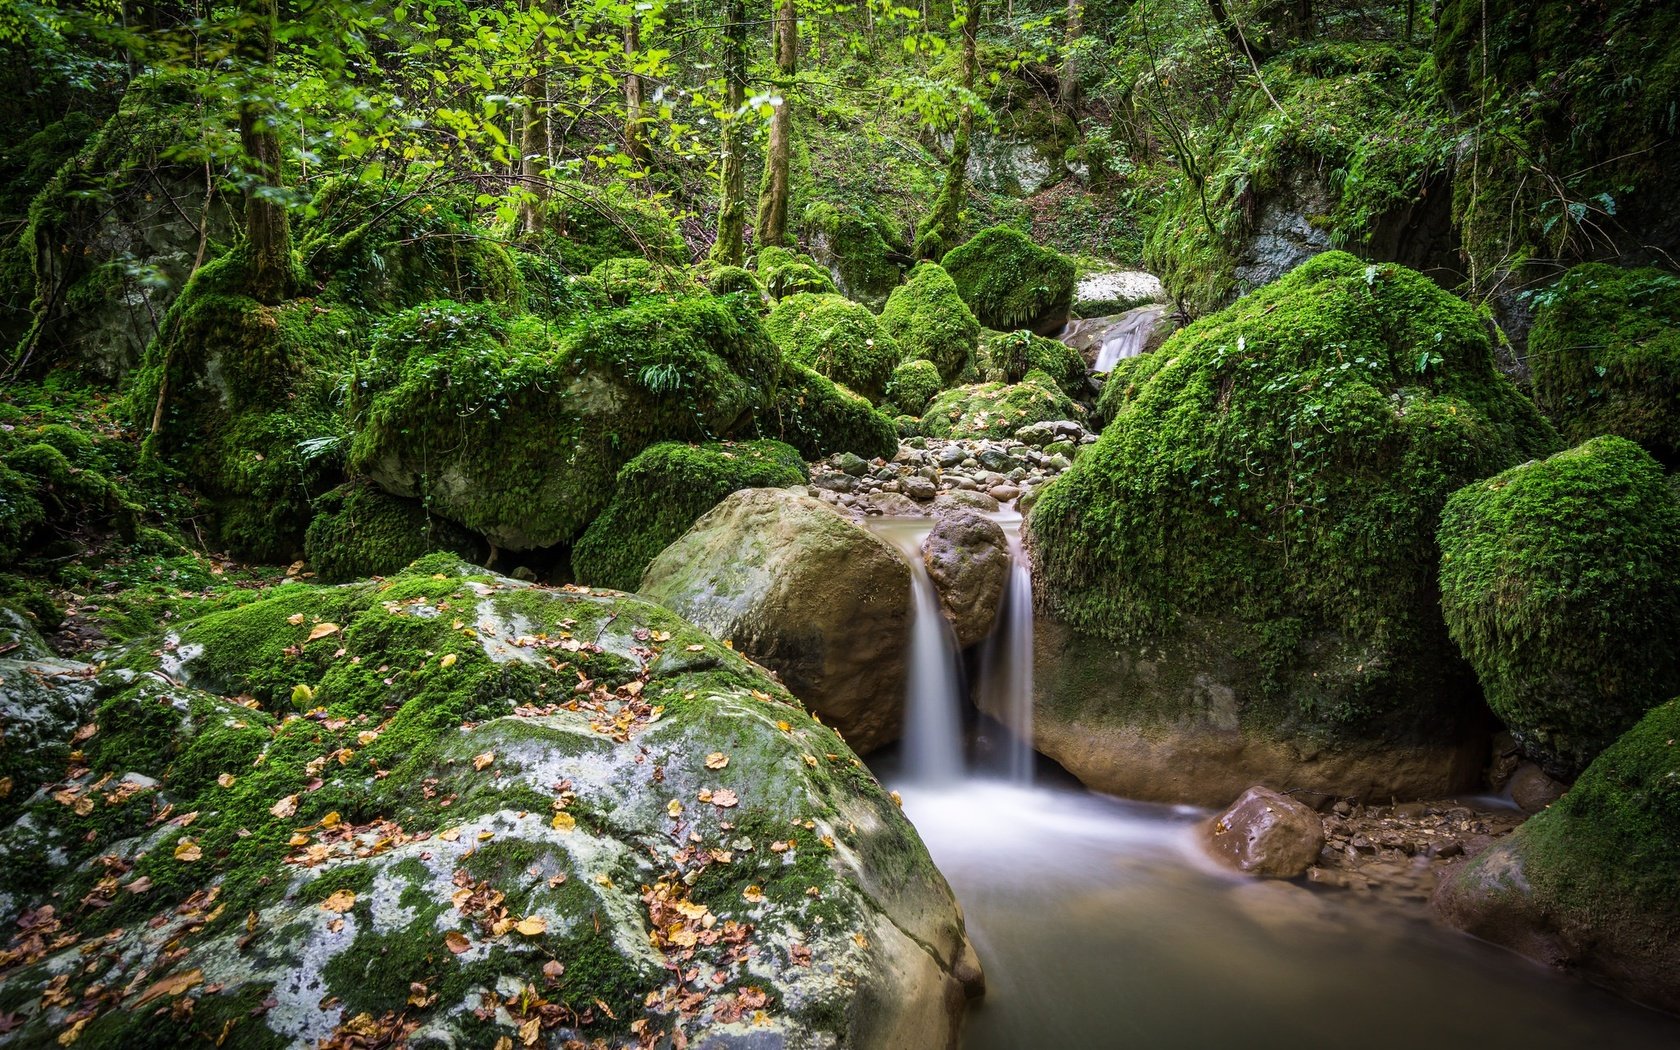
(1267, 833)
(1400, 853)
(928, 474)
(967, 558)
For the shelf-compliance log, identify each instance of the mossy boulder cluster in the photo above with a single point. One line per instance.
(857, 247)
(1010, 282)
(997, 410)
(56, 480)
(836, 337)
(931, 322)
(1239, 576)
(359, 530)
(365, 811)
(1558, 583)
(784, 273)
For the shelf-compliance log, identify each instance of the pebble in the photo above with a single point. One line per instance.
(997, 472)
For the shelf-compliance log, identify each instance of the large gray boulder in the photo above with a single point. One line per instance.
(967, 557)
(805, 591)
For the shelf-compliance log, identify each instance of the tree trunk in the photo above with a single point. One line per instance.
(634, 144)
(267, 225)
(773, 199)
(534, 156)
(1067, 88)
(1234, 35)
(939, 233)
(730, 247)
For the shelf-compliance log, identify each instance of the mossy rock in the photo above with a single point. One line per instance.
(584, 225)
(1266, 502)
(1558, 583)
(517, 431)
(1605, 355)
(820, 417)
(838, 338)
(483, 783)
(359, 531)
(786, 273)
(732, 280)
(856, 245)
(663, 491)
(997, 410)
(54, 480)
(627, 279)
(930, 320)
(1010, 282)
(913, 385)
(1007, 357)
(554, 293)
(1592, 883)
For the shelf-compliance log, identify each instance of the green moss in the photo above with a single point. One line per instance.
(1009, 356)
(1605, 355)
(553, 293)
(858, 244)
(913, 385)
(836, 337)
(627, 279)
(1557, 580)
(663, 491)
(931, 322)
(785, 273)
(730, 280)
(997, 410)
(819, 418)
(1281, 465)
(55, 480)
(360, 531)
(1010, 282)
(584, 225)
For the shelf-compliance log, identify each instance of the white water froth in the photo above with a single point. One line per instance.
(1006, 664)
(1128, 336)
(933, 700)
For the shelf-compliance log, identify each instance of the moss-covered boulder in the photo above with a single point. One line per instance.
(1558, 583)
(732, 280)
(364, 812)
(1007, 357)
(805, 591)
(43, 701)
(56, 481)
(584, 225)
(1010, 282)
(1592, 883)
(784, 273)
(997, 410)
(1605, 355)
(1239, 577)
(819, 418)
(931, 322)
(661, 492)
(837, 337)
(913, 385)
(517, 431)
(360, 530)
(856, 246)
(627, 279)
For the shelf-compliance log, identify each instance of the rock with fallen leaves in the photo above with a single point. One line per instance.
(213, 866)
(43, 701)
(808, 593)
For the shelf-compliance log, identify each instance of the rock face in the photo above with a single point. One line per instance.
(805, 591)
(1235, 582)
(43, 700)
(1593, 882)
(1267, 833)
(511, 812)
(967, 557)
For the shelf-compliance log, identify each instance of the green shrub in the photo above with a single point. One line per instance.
(931, 321)
(1010, 282)
(837, 337)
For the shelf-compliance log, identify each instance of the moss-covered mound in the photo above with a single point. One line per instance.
(409, 795)
(1558, 583)
(729, 280)
(1605, 354)
(786, 273)
(1592, 883)
(819, 418)
(913, 385)
(663, 491)
(517, 431)
(997, 410)
(627, 279)
(1010, 282)
(57, 481)
(836, 337)
(584, 225)
(1007, 357)
(360, 530)
(1272, 489)
(931, 321)
(856, 245)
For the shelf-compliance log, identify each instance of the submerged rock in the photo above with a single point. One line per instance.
(805, 591)
(967, 558)
(1267, 833)
(508, 812)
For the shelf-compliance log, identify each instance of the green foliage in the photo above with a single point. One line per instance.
(1010, 282)
(627, 279)
(585, 225)
(1009, 356)
(837, 337)
(729, 280)
(819, 418)
(997, 410)
(786, 273)
(1605, 355)
(859, 245)
(1281, 464)
(359, 531)
(55, 481)
(931, 322)
(1557, 581)
(913, 385)
(663, 491)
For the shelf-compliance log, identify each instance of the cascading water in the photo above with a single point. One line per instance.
(1006, 663)
(933, 698)
(1128, 336)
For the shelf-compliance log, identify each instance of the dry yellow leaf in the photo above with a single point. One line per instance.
(533, 926)
(480, 761)
(226, 780)
(321, 630)
(723, 798)
(295, 619)
(674, 808)
(340, 902)
(753, 895)
(811, 760)
(717, 760)
(456, 942)
(451, 835)
(447, 660)
(285, 807)
(563, 821)
(332, 820)
(187, 850)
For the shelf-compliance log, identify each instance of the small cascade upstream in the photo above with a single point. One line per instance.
(1128, 336)
(1006, 664)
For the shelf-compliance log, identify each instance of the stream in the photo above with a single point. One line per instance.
(1101, 923)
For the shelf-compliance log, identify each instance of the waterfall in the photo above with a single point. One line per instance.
(1006, 663)
(933, 742)
(1128, 336)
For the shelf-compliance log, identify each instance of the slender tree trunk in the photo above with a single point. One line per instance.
(634, 144)
(1234, 35)
(730, 247)
(1067, 89)
(534, 154)
(267, 225)
(940, 231)
(773, 200)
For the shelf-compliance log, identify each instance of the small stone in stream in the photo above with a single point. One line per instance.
(1532, 790)
(997, 459)
(961, 499)
(834, 482)
(1267, 833)
(969, 463)
(894, 505)
(1058, 462)
(931, 473)
(920, 489)
(964, 482)
(951, 455)
(1004, 493)
(850, 463)
(1036, 433)
(1059, 448)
